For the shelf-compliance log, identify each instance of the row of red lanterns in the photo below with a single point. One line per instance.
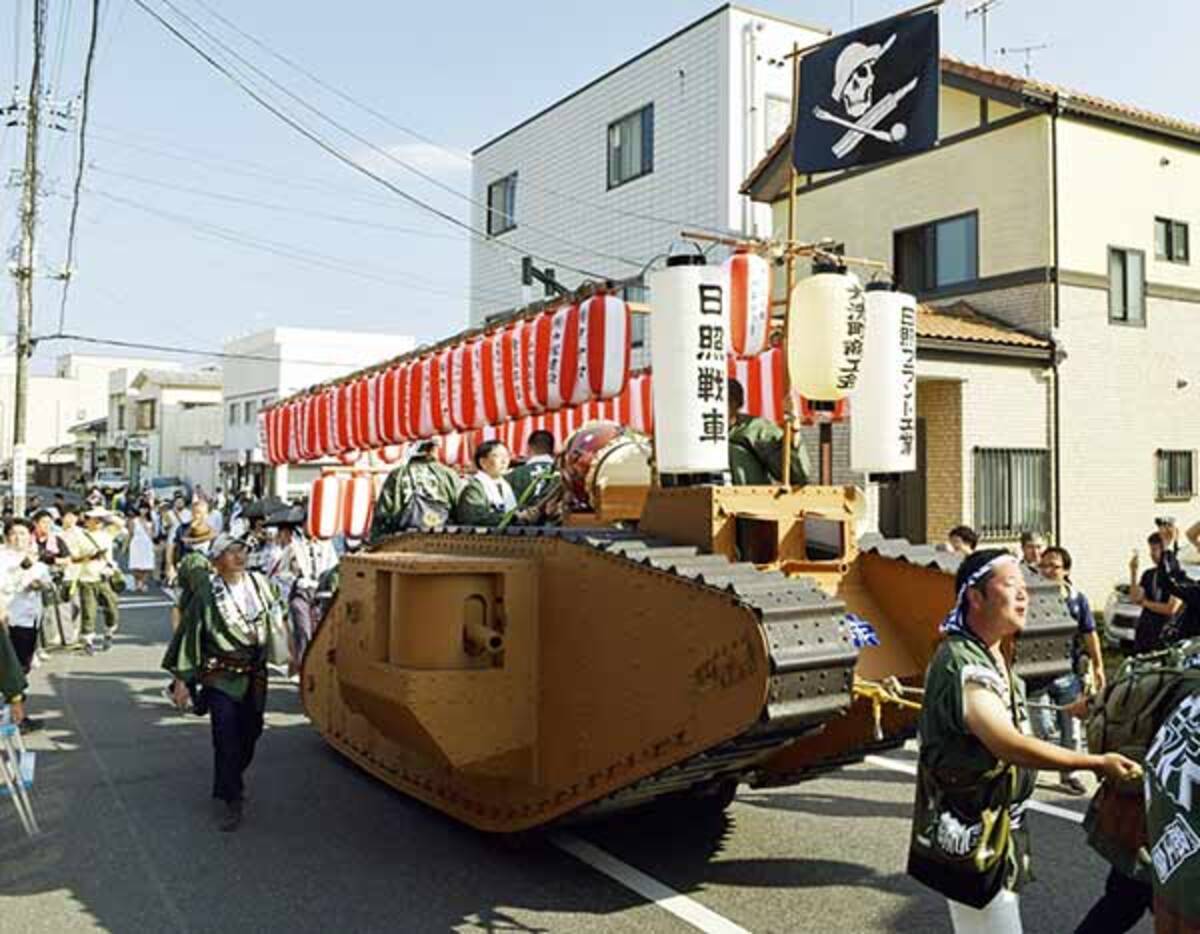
(564, 356)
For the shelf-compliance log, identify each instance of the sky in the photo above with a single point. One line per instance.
(203, 217)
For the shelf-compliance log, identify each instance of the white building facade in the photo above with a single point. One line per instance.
(605, 178)
(263, 367)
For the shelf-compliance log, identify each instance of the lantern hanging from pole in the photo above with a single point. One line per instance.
(325, 506)
(374, 426)
(688, 346)
(883, 432)
(492, 372)
(513, 379)
(461, 385)
(386, 411)
(537, 362)
(321, 403)
(606, 321)
(439, 391)
(826, 333)
(749, 302)
(291, 448)
(358, 502)
(360, 413)
(641, 403)
(761, 379)
(420, 414)
(343, 418)
(562, 367)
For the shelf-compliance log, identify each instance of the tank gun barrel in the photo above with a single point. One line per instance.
(481, 639)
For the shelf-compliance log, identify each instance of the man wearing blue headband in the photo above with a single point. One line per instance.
(978, 762)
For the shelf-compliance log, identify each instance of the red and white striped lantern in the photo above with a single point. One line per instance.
(561, 373)
(762, 381)
(325, 506)
(358, 503)
(360, 413)
(537, 362)
(270, 428)
(455, 448)
(513, 379)
(439, 392)
(320, 415)
(343, 418)
(386, 413)
(640, 394)
(461, 385)
(606, 321)
(749, 303)
(420, 415)
(491, 352)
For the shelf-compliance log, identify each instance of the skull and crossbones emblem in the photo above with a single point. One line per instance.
(854, 78)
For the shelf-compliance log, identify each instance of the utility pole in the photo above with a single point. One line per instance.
(24, 271)
(981, 9)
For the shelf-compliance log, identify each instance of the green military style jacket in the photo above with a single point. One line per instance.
(12, 678)
(424, 475)
(756, 453)
(969, 833)
(206, 649)
(474, 507)
(535, 474)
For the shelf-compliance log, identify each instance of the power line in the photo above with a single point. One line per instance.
(384, 118)
(297, 254)
(283, 208)
(584, 249)
(80, 163)
(60, 45)
(186, 351)
(349, 161)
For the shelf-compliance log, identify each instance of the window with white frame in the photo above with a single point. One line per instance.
(631, 146)
(248, 411)
(1170, 240)
(1175, 474)
(1126, 286)
(233, 413)
(502, 205)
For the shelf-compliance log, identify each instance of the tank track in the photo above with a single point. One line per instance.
(811, 659)
(1043, 646)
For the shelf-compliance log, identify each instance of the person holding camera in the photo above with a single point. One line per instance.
(25, 579)
(91, 550)
(1150, 593)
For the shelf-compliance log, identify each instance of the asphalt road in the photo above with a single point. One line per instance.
(129, 844)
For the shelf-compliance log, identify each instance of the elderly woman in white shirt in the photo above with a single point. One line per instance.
(487, 497)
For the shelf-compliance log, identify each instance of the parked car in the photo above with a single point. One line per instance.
(166, 489)
(110, 480)
(1121, 614)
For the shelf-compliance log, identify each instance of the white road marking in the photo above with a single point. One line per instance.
(909, 768)
(665, 897)
(146, 605)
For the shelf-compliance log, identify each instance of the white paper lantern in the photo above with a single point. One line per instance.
(689, 340)
(826, 334)
(883, 428)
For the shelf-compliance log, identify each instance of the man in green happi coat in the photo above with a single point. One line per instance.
(12, 678)
(536, 471)
(418, 495)
(756, 447)
(976, 767)
(231, 625)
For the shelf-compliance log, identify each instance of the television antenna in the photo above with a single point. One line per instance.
(1026, 50)
(981, 9)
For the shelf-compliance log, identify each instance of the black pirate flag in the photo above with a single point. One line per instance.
(869, 95)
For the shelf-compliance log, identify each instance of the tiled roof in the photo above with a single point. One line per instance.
(1068, 98)
(962, 322)
(1070, 101)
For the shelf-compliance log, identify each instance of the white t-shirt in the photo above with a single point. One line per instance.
(24, 599)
